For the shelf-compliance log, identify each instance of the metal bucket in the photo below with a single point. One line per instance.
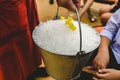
(62, 67)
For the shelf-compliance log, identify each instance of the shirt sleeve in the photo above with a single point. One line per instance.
(112, 26)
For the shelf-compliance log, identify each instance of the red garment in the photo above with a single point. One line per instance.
(18, 54)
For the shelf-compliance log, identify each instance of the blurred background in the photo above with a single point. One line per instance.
(47, 11)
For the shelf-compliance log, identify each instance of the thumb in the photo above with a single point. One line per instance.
(102, 71)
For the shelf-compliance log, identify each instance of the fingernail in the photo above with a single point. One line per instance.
(99, 70)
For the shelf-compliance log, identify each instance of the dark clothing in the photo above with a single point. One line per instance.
(113, 64)
(116, 7)
(105, 1)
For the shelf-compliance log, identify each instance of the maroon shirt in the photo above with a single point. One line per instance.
(19, 56)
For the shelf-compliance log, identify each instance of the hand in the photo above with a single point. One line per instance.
(69, 4)
(108, 74)
(102, 58)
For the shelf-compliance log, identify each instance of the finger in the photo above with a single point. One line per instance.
(77, 3)
(103, 71)
(95, 65)
(98, 67)
(101, 75)
(95, 78)
(70, 5)
(89, 69)
(66, 4)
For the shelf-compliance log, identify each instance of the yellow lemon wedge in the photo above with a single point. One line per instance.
(71, 25)
(70, 19)
(67, 22)
(62, 18)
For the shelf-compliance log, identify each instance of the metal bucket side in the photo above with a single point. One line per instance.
(62, 67)
(59, 66)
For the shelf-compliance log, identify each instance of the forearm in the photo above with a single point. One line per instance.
(102, 58)
(87, 5)
(104, 43)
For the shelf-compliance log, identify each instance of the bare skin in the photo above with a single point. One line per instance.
(101, 62)
(105, 13)
(69, 4)
(109, 74)
(105, 17)
(87, 4)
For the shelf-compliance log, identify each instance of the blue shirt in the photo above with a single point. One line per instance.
(112, 31)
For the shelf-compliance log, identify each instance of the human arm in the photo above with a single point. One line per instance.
(102, 58)
(69, 4)
(87, 4)
(111, 34)
(108, 74)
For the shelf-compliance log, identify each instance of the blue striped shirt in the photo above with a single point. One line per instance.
(112, 31)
